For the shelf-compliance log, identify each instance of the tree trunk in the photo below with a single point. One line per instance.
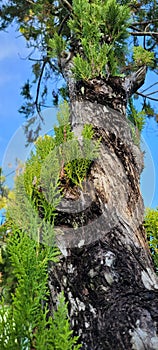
(105, 268)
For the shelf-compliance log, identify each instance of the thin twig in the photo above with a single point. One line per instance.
(152, 47)
(144, 33)
(145, 22)
(149, 87)
(144, 39)
(35, 59)
(152, 93)
(38, 87)
(30, 2)
(62, 23)
(67, 5)
(134, 28)
(28, 56)
(143, 95)
(144, 42)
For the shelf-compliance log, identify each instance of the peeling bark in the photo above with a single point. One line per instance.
(105, 267)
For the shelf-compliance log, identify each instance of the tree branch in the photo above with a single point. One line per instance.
(145, 22)
(31, 2)
(135, 80)
(149, 87)
(67, 5)
(62, 23)
(38, 87)
(152, 93)
(35, 59)
(144, 34)
(145, 96)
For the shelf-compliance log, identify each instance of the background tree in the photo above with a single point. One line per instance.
(106, 271)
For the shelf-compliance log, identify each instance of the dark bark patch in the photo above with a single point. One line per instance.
(104, 312)
(109, 92)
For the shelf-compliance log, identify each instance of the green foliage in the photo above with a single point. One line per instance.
(88, 132)
(63, 131)
(149, 110)
(41, 177)
(61, 328)
(5, 193)
(57, 45)
(78, 158)
(25, 323)
(151, 227)
(36, 69)
(101, 37)
(82, 68)
(39, 189)
(8, 282)
(77, 163)
(137, 120)
(42, 170)
(143, 57)
(135, 117)
(26, 91)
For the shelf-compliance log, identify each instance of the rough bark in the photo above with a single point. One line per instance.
(105, 268)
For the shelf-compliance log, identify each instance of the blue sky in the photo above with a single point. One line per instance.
(14, 71)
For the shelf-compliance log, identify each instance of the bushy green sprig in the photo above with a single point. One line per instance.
(137, 120)
(42, 170)
(102, 37)
(25, 323)
(143, 57)
(151, 227)
(78, 157)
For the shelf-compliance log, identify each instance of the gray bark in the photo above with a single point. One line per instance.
(105, 267)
